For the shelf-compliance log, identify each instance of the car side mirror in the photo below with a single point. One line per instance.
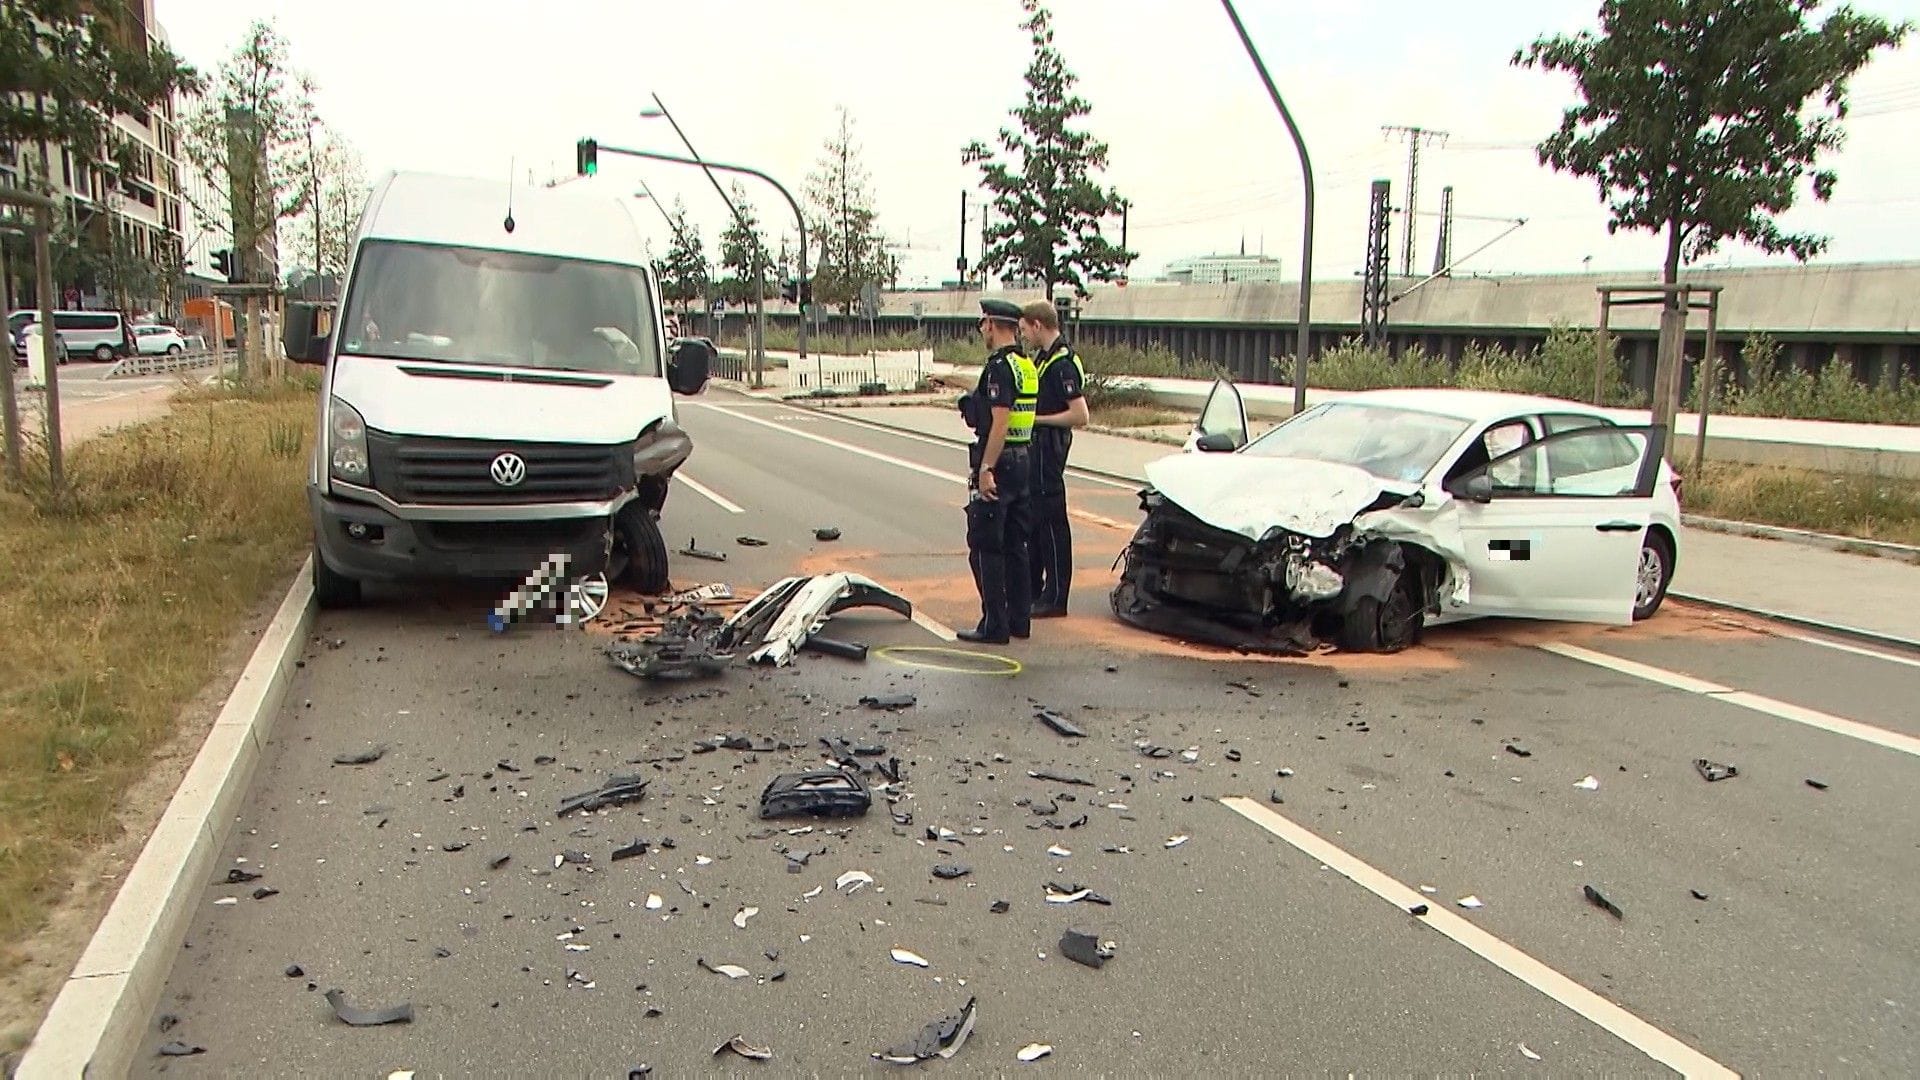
(301, 335)
(1215, 442)
(689, 364)
(1475, 487)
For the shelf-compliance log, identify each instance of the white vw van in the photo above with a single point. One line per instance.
(498, 388)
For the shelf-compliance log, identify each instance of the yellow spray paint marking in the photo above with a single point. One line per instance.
(910, 656)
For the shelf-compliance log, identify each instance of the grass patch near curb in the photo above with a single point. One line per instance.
(116, 605)
(1139, 416)
(1864, 507)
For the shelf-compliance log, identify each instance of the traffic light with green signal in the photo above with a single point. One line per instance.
(586, 157)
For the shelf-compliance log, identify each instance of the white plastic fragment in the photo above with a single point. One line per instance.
(654, 903)
(571, 947)
(400, 1074)
(1190, 756)
(854, 878)
(1058, 852)
(1428, 889)
(907, 956)
(741, 917)
(1471, 902)
(731, 971)
(702, 860)
(226, 900)
(1176, 841)
(1528, 1054)
(1034, 1051)
(1589, 784)
(813, 892)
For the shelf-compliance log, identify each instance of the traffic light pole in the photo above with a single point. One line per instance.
(801, 219)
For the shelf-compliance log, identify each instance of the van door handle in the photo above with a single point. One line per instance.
(1618, 526)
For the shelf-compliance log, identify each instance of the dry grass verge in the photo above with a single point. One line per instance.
(116, 604)
(1866, 507)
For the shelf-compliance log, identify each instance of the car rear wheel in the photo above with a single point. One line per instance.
(1654, 574)
(332, 589)
(103, 353)
(173, 350)
(639, 555)
(1387, 625)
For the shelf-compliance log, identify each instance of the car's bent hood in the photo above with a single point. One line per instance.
(1253, 496)
(475, 401)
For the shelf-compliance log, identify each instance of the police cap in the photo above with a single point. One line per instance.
(1000, 310)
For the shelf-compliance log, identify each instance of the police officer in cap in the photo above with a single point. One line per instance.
(1062, 407)
(1000, 411)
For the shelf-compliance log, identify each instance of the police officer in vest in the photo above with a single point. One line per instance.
(1000, 411)
(1062, 407)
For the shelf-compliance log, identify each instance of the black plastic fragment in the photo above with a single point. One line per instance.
(637, 848)
(617, 790)
(1697, 894)
(265, 891)
(1000, 907)
(1816, 783)
(845, 650)
(498, 861)
(362, 757)
(295, 971)
(818, 793)
(1599, 900)
(950, 871)
(1084, 949)
(869, 750)
(576, 858)
(456, 845)
(544, 759)
(749, 541)
(1417, 909)
(1518, 751)
(1233, 755)
(941, 1038)
(180, 1049)
(394, 1014)
(694, 550)
(237, 876)
(1059, 724)
(827, 532)
(168, 1022)
(891, 771)
(1059, 778)
(1711, 770)
(889, 701)
(506, 765)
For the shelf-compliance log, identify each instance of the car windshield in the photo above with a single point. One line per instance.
(1392, 444)
(438, 303)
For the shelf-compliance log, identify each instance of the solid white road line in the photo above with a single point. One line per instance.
(1624, 1025)
(713, 496)
(1841, 646)
(911, 466)
(1813, 718)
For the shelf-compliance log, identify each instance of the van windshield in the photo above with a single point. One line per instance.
(454, 304)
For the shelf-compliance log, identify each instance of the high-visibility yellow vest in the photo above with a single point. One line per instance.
(1026, 399)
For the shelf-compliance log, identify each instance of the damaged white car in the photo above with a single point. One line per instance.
(1360, 521)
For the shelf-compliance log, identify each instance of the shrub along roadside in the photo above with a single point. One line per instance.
(115, 607)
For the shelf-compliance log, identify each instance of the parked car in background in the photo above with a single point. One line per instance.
(1360, 520)
(154, 340)
(101, 334)
(29, 345)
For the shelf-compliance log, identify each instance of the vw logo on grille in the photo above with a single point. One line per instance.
(509, 469)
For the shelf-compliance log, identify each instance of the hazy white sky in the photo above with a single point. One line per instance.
(466, 86)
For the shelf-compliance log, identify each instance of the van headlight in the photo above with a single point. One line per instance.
(347, 440)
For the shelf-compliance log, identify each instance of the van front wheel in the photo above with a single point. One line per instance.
(639, 556)
(332, 589)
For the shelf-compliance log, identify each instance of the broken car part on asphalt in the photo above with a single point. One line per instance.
(694, 550)
(361, 757)
(1713, 770)
(739, 1045)
(395, 1014)
(818, 793)
(770, 628)
(941, 1038)
(1599, 900)
(1085, 949)
(617, 790)
(1059, 724)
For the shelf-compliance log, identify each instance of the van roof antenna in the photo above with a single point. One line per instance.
(508, 224)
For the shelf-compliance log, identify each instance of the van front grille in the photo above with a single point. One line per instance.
(413, 469)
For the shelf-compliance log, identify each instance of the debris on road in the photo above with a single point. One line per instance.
(362, 757)
(1417, 910)
(949, 872)
(1000, 907)
(1518, 751)
(1528, 1054)
(1085, 949)
(635, 849)
(908, 956)
(498, 861)
(1711, 771)
(1697, 894)
(826, 532)
(694, 550)
(1059, 723)
(1176, 841)
(889, 702)
(739, 1045)
(295, 971)
(654, 903)
(855, 878)
(394, 1014)
(1470, 902)
(1589, 783)
(845, 650)
(1034, 1051)
(941, 1038)
(816, 793)
(731, 971)
(1059, 852)
(749, 541)
(1073, 894)
(1599, 900)
(1059, 778)
(684, 648)
(265, 891)
(740, 917)
(1816, 784)
(180, 1049)
(237, 876)
(617, 790)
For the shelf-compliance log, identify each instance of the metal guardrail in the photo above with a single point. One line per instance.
(160, 363)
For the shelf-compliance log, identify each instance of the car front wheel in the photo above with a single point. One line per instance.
(639, 556)
(332, 589)
(173, 350)
(1654, 574)
(1388, 625)
(103, 354)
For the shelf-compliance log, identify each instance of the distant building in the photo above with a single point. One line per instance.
(1223, 269)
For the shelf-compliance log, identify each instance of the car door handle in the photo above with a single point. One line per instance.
(1618, 526)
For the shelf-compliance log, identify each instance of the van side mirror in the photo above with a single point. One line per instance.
(1476, 487)
(1215, 442)
(688, 365)
(304, 336)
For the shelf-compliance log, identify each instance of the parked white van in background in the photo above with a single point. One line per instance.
(498, 389)
(101, 335)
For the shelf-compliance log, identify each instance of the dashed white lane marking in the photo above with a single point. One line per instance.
(1598, 1010)
(1814, 718)
(713, 496)
(910, 466)
(1841, 646)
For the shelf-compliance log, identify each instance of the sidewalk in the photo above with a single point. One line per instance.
(1789, 579)
(81, 419)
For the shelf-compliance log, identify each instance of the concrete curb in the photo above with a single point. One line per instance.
(1867, 637)
(1846, 544)
(98, 1021)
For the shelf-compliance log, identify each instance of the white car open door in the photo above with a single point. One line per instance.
(1222, 426)
(1553, 529)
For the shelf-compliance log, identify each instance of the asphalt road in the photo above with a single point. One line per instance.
(1763, 924)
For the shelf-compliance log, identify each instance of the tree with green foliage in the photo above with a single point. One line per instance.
(1701, 119)
(743, 250)
(248, 136)
(337, 189)
(852, 252)
(683, 273)
(1048, 207)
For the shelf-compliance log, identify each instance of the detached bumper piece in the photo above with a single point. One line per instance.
(684, 648)
(819, 793)
(770, 629)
